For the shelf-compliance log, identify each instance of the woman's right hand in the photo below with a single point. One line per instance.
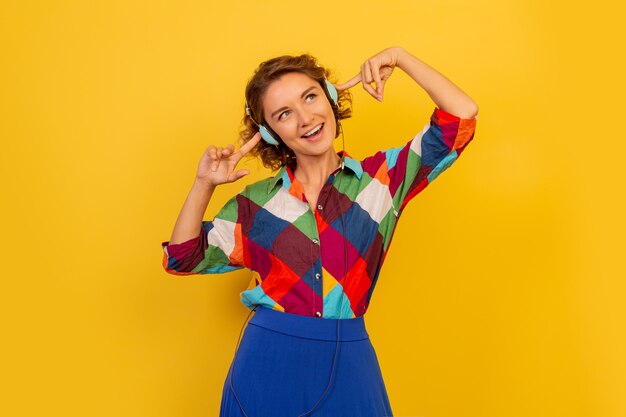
(217, 165)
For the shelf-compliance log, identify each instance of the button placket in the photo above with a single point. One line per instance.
(323, 195)
(316, 241)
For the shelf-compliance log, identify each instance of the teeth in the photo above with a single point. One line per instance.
(312, 132)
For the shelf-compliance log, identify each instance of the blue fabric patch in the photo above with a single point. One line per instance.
(442, 166)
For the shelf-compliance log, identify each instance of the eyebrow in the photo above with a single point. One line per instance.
(301, 96)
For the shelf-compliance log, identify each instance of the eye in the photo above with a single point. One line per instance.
(285, 113)
(312, 96)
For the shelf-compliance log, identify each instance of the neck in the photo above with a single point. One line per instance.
(314, 170)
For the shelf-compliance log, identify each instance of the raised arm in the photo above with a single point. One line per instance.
(217, 166)
(406, 170)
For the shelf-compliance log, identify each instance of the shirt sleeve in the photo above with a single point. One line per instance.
(216, 250)
(408, 169)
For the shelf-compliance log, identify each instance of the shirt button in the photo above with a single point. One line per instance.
(317, 276)
(319, 207)
(318, 314)
(314, 240)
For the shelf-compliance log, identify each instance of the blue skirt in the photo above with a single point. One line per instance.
(283, 366)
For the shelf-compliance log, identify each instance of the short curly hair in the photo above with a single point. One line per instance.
(275, 157)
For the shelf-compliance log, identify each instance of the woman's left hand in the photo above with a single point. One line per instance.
(376, 69)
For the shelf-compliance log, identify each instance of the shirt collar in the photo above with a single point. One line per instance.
(285, 174)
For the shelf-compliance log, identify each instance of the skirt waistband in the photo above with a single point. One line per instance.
(309, 327)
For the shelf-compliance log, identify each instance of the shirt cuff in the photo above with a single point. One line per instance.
(180, 250)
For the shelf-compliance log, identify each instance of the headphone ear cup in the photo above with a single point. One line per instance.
(332, 92)
(267, 136)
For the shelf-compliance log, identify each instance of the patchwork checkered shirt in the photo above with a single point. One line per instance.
(295, 253)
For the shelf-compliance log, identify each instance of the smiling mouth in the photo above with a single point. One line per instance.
(314, 133)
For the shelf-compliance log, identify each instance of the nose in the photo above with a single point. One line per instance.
(305, 117)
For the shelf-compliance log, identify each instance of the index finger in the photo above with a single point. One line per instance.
(376, 73)
(245, 148)
(348, 84)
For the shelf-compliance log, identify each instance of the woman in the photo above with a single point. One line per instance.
(315, 235)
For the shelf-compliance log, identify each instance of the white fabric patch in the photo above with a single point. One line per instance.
(282, 206)
(222, 235)
(375, 199)
(416, 143)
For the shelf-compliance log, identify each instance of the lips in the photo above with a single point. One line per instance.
(317, 134)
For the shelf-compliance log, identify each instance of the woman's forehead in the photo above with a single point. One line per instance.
(288, 87)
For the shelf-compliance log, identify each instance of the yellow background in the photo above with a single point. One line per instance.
(503, 292)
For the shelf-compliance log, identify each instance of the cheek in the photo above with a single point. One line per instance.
(286, 129)
(330, 113)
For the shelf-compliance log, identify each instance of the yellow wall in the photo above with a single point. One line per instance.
(502, 295)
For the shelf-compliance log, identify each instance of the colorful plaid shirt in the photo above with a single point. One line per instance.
(296, 254)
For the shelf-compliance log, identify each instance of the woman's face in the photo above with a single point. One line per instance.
(297, 109)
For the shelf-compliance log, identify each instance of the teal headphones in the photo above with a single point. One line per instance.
(268, 137)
